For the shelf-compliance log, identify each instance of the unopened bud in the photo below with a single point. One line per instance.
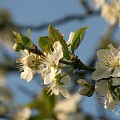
(16, 47)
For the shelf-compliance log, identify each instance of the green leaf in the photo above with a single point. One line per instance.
(23, 40)
(26, 41)
(45, 44)
(56, 36)
(44, 104)
(77, 39)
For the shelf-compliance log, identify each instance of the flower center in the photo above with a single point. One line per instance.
(29, 61)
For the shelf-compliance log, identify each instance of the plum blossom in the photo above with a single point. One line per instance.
(50, 63)
(22, 113)
(59, 86)
(26, 64)
(108, 64)
(108, 98)
(67, 109)
(110, 11)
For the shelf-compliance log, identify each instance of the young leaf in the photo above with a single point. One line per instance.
(77, 39)
(56, 36)
(45, 43)
(26, 42)
(23, 40)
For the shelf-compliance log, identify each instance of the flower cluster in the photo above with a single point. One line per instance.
(107, 74)
(57, 60)
(107, 79)
(110, 11)
(51, 62)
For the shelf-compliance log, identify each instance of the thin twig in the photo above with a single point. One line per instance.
(60, 21)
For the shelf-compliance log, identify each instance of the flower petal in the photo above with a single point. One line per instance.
(66, 80)
(55, 89)
(110, 103)
(116, 72)
(49, 75)
(27, 74)
(57, 53)
(102, 87)
(101, 72)
(65, 92)
(116, 81)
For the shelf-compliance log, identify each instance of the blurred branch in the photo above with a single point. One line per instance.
(8, 68)
(60, 21)
(86, 6)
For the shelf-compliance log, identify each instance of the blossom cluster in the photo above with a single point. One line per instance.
(57, 60)
(55, 56)
(110, 11)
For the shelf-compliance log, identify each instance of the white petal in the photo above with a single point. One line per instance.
(57, 53)
(27, 74)
(24, 53)
(116, 72)
(70, 38)
(55, 90)
(116, 81)
(49, 75)
(100, 53)
(65, 92)
(102, 87)
(113, 49)
(66, 80)
(110, 103)
(101, 72)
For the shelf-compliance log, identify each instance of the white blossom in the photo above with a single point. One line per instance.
(50, 63)
(22, 113)
(26, 65)
(67, 109)
(108, 64)
(56, 87)
(110, 11)
(109, 101)
(68, 106)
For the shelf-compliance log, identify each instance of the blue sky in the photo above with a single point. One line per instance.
(34, 12)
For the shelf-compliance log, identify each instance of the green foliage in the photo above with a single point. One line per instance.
(22, 41)
(55, 35)
(45, 43)
(44, 105)
(77, 39)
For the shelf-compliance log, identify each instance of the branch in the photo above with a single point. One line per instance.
(8, 68)
(60, 21)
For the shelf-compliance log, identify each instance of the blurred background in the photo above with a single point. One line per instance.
(67, 16)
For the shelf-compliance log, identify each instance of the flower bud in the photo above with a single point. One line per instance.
(82, 82)
(18, 47)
